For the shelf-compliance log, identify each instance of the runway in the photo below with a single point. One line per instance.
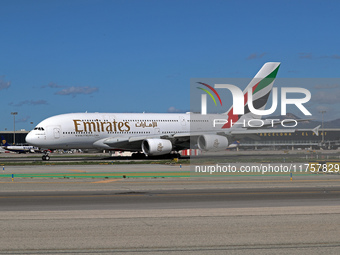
(236, 214)
(168, 199)
(231, 155)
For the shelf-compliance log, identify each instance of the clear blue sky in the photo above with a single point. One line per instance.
(61, 56)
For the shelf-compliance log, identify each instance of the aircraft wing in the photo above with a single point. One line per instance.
(181, 140)
(133, 143)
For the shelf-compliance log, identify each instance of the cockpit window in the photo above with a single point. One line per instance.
(39, 128)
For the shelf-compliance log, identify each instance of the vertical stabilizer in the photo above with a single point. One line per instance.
(4, 142)
(261, 86)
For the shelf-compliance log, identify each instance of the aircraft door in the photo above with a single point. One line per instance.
(183, 123)
(182, 120)
(157, 131)
(56, 132)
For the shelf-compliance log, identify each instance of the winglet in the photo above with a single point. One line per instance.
(316, 130)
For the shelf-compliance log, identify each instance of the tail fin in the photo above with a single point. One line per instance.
(3, 141)
(261, 86)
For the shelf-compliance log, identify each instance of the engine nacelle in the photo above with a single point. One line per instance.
(155, 147)
(212, 142)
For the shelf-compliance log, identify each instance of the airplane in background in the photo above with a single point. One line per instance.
(151, 133)
(234, 145)
(16, 148)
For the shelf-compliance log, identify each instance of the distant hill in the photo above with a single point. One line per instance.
(308, 123)
(332, 124)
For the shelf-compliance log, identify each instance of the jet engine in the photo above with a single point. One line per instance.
(155, 147)
(212, 142)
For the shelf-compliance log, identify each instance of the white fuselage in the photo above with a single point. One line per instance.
(21, 149)
(86, 130)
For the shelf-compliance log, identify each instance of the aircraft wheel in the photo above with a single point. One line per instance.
(45, 157)
(138, 155)
(177, 155)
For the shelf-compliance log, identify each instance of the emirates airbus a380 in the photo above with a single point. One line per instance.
(151, 133)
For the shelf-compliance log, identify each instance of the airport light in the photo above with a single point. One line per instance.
(14, 113)
(323, 136)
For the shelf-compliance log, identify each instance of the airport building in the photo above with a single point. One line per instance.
(19, 136)
(328, 138)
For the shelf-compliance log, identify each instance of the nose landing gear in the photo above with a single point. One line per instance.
(45, 157)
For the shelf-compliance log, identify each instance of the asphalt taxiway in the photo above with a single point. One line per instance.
(42, 214)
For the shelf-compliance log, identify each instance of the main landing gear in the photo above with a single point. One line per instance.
(138, 155)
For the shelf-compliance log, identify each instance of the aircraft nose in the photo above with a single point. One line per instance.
(29, 138)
